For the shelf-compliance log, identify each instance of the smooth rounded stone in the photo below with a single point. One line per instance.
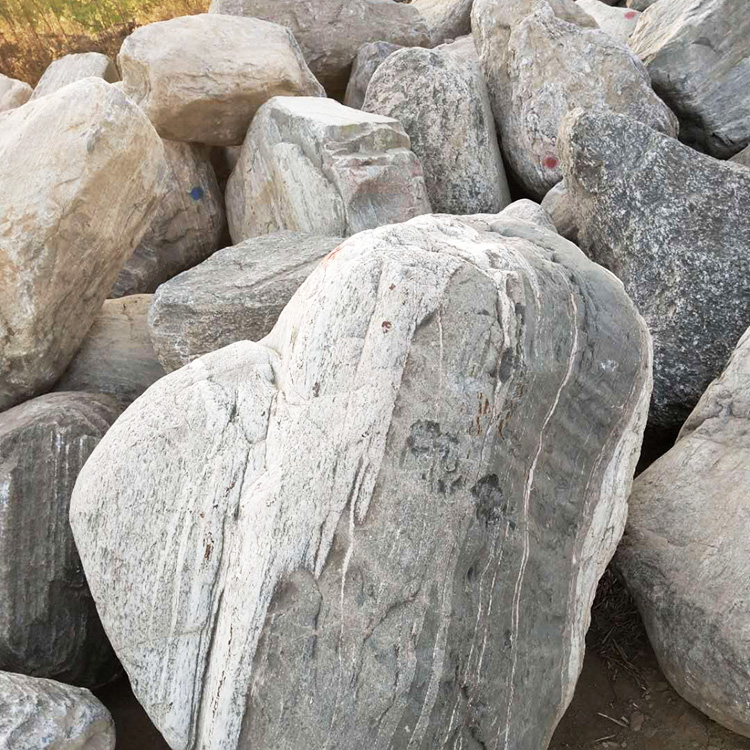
(742, 158)
(463, 48)
(558, 207)
(313, 165)
(67, 227)
(73, 68)
(13, 93)
(40, 714)
(188, 227)
(698, 56)
(528, 210)
(236, 295)
(617, 22)
(202, 78)
(449, 124)
(48, 623)
(331, 32)
(446, 19)
(577, 67)
(674, 225)
(382, 525)
(684, 555)
(117, 356)
(367, 61)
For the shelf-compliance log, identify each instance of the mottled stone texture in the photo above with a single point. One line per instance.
(686, 549)
(73, 68)
(367, 61)
(13, 93)
(202, 78)
(67, 225)
(449, 124)
(188, 226)
(46, 715)
(674, 225)
(698, 56)
(617, 22)
(48, 623)
(381, 526)
(236, 295)
(446, 19)
(313, 165)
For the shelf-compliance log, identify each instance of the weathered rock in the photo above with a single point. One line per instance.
(117, 356)
(617, 22)
(46, 715)
(686, 549)
(640, 5)
(188, 226)
(67, 228)
(578, 67)
(48, 622)
(13, 93)
(673, 224)
(697, 53)
(381, 526)
(236, 295)
(224, 159)
(742, 158)
(202, 78)
(560, 211)
(463, 48)
(526, 210)
(331, 32)
(72, 68)
(446, 19)
(313, 165)
(449, 124)
(367, 61)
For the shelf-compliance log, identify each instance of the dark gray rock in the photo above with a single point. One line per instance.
(48, 623)
(674, 225)
(367, 61)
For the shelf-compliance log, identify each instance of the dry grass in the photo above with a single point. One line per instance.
(35, 32)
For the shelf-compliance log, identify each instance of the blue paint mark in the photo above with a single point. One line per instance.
(196, 193)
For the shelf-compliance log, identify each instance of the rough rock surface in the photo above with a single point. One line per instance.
(697, 55)
(367, 61)
(449, 124)
(446, 19)
(202, 78)
(331, 32)
(117, 356)
(742, 158)
(674, 225)
(381, 526)
(463, 48)
(66, 230)
(13, 93)
(617, 22)
(73, 68)
(188, 226)
(46, 715)
(686, 548)
(640, 5)
(550, 67)
(236, 295)
(560, 211)
(313, 165)
(48, 623)
(527, 210)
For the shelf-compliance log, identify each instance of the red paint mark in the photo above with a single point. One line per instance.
(332, 253)
(392, 287)
(550, 162)
(316, 389)
(631, 14)
(386, 326)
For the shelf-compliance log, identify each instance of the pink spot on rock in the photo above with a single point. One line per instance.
(550, 162)
(333, 252)
(631, 14)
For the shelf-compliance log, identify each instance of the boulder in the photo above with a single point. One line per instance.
(236, 295)
(313, 165)
(188, 226)
(684, 555)
(117, 356)
(617, 22)
(387, 519)
(331, 32)
(224, 159)
(449, 124)
(67, 228)
(47, 715)
(672, 224)
(202, 78)
(13, 93)
(73, 68)
(463, 48)
(743, 157)
(48, 622)
(558, 207)
(446, 19)
(696, 52)
(367, 61)
(640, 5)
(529, 211)
(552, 67)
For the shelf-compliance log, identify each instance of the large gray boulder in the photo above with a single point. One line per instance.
(188, 226)
(202, 78)
(697, 54)
(387, 519)
(236, 295)
(46, 715)
(743, 157)
(674, 225)
(449, 124)
(13, 93)
(686, 550)
(48, 622)
(619, 23)
(446, 19)
(313, 165)
(551, 65)
(67, 227)
(73, 68)
(368, 60)
(331, 32)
